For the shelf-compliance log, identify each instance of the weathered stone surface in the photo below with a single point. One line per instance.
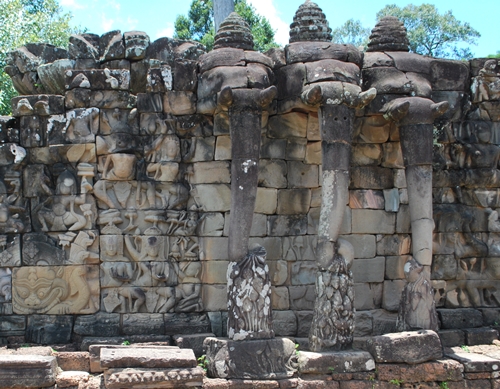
(392, 294)
(367, 221)
(475, 336)
(27, 371)
(405, 347)
(147, 358)
(442, 369)
(460, 318)
(475, 363)
(451, 338)
(255, 359)
(74, 361)
(161, 378)
(364, 245)
(45, 329)
(368, 270)
(339, 362)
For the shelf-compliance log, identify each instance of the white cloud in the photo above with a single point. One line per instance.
(267, 9)
(71, 4)
(168, 31)
(131, 23)
(106, 23)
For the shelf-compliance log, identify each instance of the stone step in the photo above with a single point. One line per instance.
(142, 378)
(335, 362)
(95, 353)
(475, 363)
(27, 371)
(147, 358)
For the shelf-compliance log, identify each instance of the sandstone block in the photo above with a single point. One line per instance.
(27, 371)
(368, 296)
(367, 221)
(296, 149)
(313, 153)
(392, 294)
(214, 272)
(363, 324)
(293, 124)
(141, 378)
(340, 362)
(440, 370)
(266, 201)
(475, 336)
(394, 245)
(214, 297)
(451, 338)
(371, 177)
(280, 299)
(68, 379)
(364, 245)
(284, 323)
(147, 358)
(194, 342)
(366, 154)
(366, 199)
(460, 318)
(394, 267)
(475, 363)
(73, 361)
(282, 225)
(179, 103)
(214, 197)
(368, 270)
(293, 201)
(215, 172)
(223, 148)
(272, 174)
(301, 175)
(405, 347)
(273, 148)
(255, 359)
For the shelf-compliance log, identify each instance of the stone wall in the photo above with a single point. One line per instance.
(115, 188)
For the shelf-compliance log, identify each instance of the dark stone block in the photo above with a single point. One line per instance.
(460, 318)
(491, 316)
(111, 46)
(315, 51)
(451, 338)
(449, 75)
(143, 324)
(371, 177)
(186, 323)
(194, 342)
(9, 129)
(42, 105)
(149, 102)
(33, 130)
(475, 336)
(12, 325)
(100, 324)
(254, 359)
(83, 46)
(77, 98)
(49, 329)
(405, 347)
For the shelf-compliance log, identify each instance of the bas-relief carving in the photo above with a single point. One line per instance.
(67, 210)
(486, 86)
(301, 247)
(81, 125)
(5, 285)
(118, 121)
(14, 209)
(117, 167)
(140, 195)
(153, 222)
(55, 290)
(10, 250)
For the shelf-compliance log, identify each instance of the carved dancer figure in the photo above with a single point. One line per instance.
(336, 96)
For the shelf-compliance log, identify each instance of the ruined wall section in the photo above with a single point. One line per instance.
(116, 190)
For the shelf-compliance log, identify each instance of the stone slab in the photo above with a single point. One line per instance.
(405, 347)
(475, 363)
(147, 358)
(154, 378)
(254, 359)
(27, 371)
(339, 362)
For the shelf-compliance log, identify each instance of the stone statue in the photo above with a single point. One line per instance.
(417, 307)
(486, 86)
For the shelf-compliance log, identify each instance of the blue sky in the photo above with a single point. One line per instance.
(157, 17)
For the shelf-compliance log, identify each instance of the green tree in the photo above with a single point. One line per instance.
(497, 55)
(432, 33)
(28, 21)
(199, 24)
(351, 32)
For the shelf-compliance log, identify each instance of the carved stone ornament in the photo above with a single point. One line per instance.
(310, 24)
(249, 297)
(417, 307)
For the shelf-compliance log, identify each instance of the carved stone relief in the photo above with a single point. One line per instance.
(55, 290)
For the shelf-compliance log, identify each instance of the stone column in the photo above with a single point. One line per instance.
(222, 9)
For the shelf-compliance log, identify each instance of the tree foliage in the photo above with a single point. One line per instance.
(199, 24)
(432, 33)
(28, 21)
(497, 55)
(351, 32)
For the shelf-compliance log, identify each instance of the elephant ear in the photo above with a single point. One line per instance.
(268, 95)
(312, 96)
(225, 97)
(396, 110)
(439, 109)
